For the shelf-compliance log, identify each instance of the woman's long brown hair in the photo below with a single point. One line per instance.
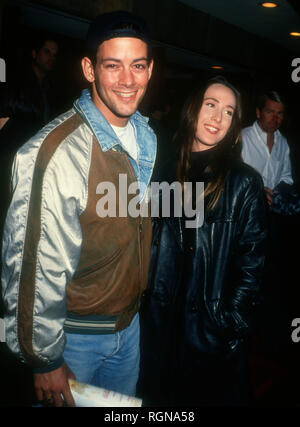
(226, 149)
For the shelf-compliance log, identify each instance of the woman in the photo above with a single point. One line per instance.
(204, 282)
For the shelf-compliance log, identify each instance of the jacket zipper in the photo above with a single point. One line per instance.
(140, 226)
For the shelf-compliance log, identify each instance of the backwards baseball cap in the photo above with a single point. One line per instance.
(116, 24)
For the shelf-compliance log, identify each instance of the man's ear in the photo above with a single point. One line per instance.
(257, 112)
(88, 69)
(150, 68)
(33, 53)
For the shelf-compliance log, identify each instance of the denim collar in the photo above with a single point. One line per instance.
(101, 128)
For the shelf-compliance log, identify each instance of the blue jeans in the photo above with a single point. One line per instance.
(109, 361)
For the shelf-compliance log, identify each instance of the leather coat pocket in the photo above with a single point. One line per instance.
(223, 321)
(218, 317)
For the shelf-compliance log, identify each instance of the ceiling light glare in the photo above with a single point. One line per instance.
(295, 34)
(268, 4)
(217, 67)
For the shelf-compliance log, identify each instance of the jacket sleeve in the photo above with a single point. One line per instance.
(247, 262)
(41, 249)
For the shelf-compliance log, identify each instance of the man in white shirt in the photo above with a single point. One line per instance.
(264, 147)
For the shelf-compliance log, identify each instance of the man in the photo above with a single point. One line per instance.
(44, 56)
(267, 150)
(264, 147)
(36, 84)
(72, 280)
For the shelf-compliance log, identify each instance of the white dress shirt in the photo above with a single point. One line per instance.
(274, 167)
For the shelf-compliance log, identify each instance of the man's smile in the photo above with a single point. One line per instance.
(126, 95)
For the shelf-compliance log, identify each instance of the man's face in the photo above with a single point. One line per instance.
(45, 58)
(120, 77)
(271, 116)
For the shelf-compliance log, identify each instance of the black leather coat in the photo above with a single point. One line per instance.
(201, 297)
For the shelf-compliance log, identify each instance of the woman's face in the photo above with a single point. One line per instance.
(215, 116)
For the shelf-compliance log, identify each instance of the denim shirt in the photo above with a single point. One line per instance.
(107, 138)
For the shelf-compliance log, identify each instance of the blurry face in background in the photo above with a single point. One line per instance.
(271, 116)
(215, 116)
(45, 58)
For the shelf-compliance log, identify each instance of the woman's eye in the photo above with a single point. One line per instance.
(210, 104)
(229, 113)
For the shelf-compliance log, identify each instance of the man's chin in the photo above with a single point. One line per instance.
(125, 114)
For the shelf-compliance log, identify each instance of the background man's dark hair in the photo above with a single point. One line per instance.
(38, 42)
(271, 95)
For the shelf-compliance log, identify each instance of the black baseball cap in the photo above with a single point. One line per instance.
(116, 24)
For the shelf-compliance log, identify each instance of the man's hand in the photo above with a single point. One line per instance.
(269, 194)
(51, 386)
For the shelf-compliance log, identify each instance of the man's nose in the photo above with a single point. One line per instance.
(275, 119)
(126, 77)
(51, 58)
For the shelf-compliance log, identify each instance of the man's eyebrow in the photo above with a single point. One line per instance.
(143, 58)
(216, 100)
(110, 59)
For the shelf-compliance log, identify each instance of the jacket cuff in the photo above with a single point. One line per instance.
(50, 367)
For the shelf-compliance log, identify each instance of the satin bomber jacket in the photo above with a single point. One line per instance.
(208, 289)
(58, 254)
